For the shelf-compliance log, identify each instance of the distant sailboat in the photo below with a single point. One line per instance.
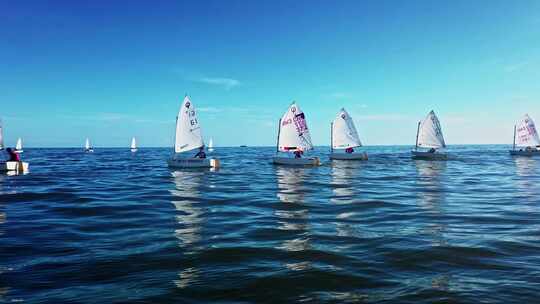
(188, 137)
(87, 146)
(343, 136)
(293, 136)
(526, 137)
(429, 136)
(1, 135)
(133, 146)
(18, 146)
(210, 145)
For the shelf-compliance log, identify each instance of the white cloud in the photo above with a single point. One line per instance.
(338, 95)
(384, 117)
(515, 67)
(227, 83)
(209, 109)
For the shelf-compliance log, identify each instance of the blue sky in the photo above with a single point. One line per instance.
(111, 70)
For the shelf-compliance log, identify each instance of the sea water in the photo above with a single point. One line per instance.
(114, 226)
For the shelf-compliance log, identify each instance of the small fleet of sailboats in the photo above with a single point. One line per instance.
(429, 136)
(188, 137)
(344, 138)
(526, 137)
(294, 139)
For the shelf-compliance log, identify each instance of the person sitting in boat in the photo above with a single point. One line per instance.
(349, 150)
(298, 153)
(529, 149)
(432, 150)
(12, 155)
(201, 153)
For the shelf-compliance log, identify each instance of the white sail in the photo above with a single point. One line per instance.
(133, 143)
(344, 134)
(430, 133)
(210, 144)
(1, 135)
(526, 134)
(87, 144)
(18, 146)
(188, 132)
(294, 133)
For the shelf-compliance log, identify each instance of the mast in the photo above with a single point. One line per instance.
(278, 132)
(514, 146)
(417, 132)
(331, 137)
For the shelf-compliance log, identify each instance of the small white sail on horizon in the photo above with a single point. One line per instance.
(430, 133)
(188, 132)
(526, 133)
(210, 145)
(1, 135)
(18, 146)
(294, 133)
(344, 133)
(88, 146)
(133, 146)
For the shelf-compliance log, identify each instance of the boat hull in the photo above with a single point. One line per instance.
(193, 163)
(308, 161)
(349, 156)
(525, 153)
(429, 156)
(14, 166)
(133, 150)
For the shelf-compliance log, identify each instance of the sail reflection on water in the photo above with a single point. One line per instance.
(190, 218)
(292, 214)
(345, 191)
(527, 183)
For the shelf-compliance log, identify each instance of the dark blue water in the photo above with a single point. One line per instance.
(114, 227)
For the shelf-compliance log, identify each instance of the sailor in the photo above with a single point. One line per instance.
(432, 150)
(12, 155)
(298, 153)
(201, 153)
(349, 150)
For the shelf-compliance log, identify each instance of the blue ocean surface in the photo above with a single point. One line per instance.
(120, 227)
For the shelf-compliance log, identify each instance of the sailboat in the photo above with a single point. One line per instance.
(18, 146)
(11, 166)
(87, 146)
(429, 136)
(293, 136)
(210, 145)
(526, 136)
(344, 137)
(188, 137)
(133, 146)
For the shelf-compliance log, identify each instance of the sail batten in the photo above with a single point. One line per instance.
(526, 133)
(344, 133)
(188, 131)
(430, 133)
(294, 133)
